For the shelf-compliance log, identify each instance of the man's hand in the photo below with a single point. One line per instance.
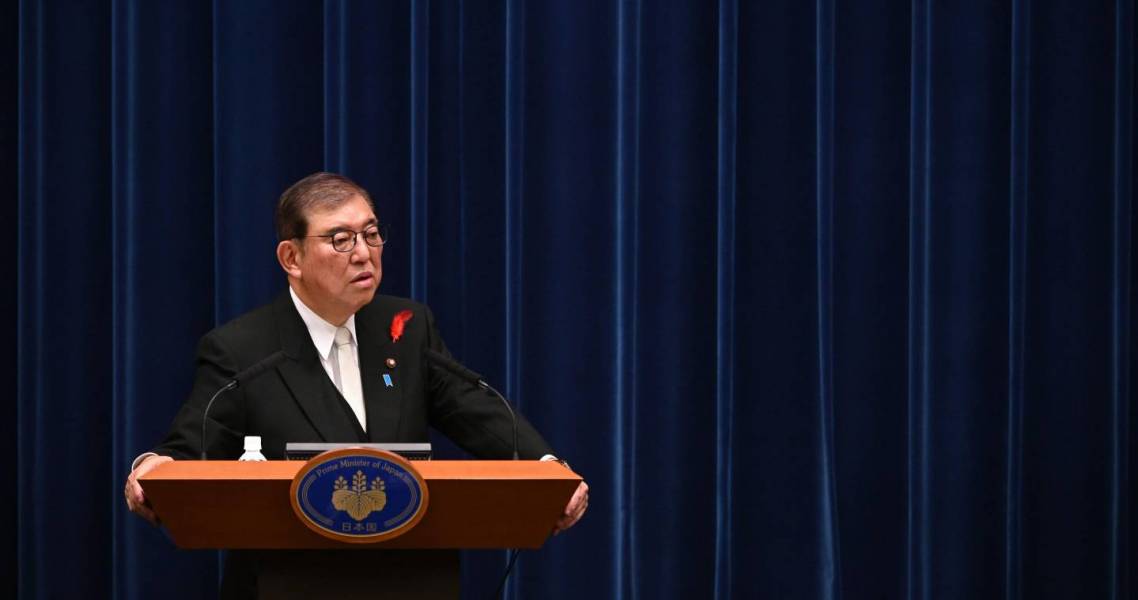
(573, 511)
(135, 499)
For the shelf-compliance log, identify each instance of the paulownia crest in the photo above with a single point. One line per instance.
(359, 500)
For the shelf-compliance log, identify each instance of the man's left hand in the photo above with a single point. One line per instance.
(573, 511)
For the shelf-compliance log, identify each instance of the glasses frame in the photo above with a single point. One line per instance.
(382, 230)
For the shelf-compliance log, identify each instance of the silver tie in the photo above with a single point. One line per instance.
(349, 375)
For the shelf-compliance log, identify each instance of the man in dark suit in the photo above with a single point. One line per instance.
(353, 367)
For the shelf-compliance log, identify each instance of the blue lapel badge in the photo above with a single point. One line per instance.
(387, 380)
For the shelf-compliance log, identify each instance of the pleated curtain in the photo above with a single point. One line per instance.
(824, 299)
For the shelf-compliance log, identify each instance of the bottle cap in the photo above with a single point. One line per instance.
(252, 443)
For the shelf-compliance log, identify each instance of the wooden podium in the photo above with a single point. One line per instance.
(245, 505)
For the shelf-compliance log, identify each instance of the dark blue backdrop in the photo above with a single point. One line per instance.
(824, 299)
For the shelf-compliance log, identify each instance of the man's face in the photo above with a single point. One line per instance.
(339, 283)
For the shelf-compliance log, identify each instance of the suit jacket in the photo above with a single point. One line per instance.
(297, 402)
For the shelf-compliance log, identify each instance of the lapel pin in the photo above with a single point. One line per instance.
(387, 380)
(391, 363)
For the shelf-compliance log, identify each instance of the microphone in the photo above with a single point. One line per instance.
(235, 382)
(441, 360)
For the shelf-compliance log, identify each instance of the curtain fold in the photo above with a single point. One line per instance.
(823, 299)
(1121, 559)
(622, 484)
(728, 89)
(918, 550)
(1019, 110)
(829, 540)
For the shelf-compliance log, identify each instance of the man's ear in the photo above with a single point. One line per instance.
(289, 255)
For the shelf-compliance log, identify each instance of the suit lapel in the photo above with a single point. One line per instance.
(306, 378)
(382, 398)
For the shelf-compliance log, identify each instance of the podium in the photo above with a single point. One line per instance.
(245, 505)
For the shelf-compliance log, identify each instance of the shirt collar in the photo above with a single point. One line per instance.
(322, 332)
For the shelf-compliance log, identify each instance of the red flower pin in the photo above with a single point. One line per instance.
(397, 322)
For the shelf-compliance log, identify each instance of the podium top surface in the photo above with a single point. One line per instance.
(480, 470)
(473, 504)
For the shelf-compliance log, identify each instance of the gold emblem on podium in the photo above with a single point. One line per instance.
(359, 499)
(358, 495)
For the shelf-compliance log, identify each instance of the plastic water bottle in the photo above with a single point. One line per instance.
(252, 449)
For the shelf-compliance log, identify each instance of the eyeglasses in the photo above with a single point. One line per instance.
(345, 239)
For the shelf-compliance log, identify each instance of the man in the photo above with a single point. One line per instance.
(348, 375)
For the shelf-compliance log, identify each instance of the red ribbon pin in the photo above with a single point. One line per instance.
(397, 322)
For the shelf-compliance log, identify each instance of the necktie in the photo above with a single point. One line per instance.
(349, 373)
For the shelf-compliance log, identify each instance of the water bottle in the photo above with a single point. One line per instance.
(252, 449)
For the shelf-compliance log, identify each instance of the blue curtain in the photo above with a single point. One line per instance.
(823, 298)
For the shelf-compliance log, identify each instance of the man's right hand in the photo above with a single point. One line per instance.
(135, 499)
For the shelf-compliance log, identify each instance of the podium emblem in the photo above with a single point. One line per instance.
(359, 495)
(361, 500)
